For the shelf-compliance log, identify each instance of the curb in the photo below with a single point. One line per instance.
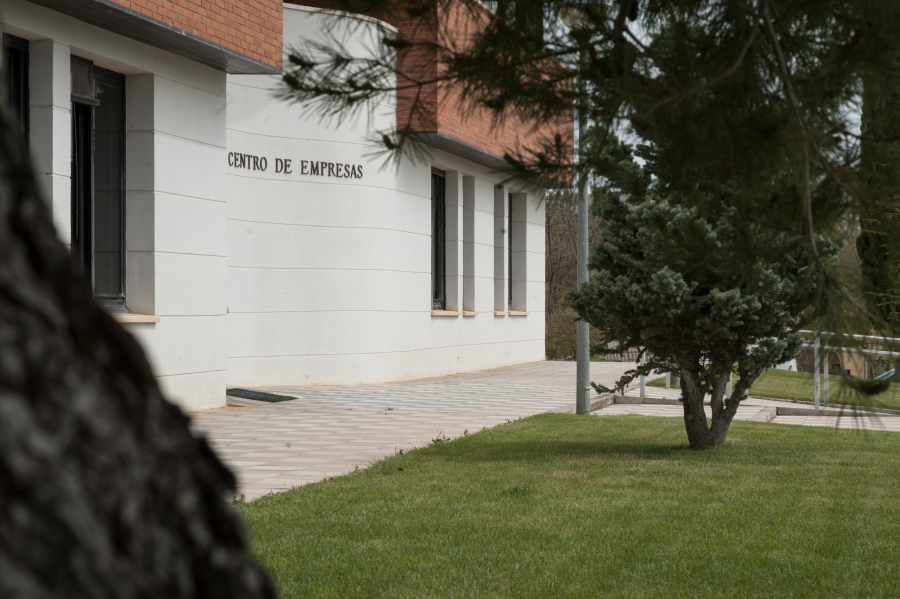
(596, 404)
(767, 414)
(889, 411)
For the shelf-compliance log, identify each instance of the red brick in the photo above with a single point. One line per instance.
(219, 25)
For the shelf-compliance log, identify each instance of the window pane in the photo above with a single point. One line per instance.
(15, 68)
(438, 253)
(109, 120)
(82, 83)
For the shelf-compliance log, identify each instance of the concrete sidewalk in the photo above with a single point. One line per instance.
(332, 430)
(758, 408)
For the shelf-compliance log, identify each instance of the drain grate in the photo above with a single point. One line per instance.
(257, 395)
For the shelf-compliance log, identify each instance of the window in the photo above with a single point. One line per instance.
(15, 71)
(438, 230)
(98, 179)
(527, 17)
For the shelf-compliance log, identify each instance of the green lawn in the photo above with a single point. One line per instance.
(614, 506)
(784, 384)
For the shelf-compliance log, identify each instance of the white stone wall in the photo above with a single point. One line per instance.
(264, 278)
(329, 278)
(175, 173)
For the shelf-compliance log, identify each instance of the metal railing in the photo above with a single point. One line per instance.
(817, 367)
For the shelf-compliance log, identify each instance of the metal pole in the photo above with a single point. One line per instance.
(728, 389)
(643, 378)
(668, 380)
(583, 340)
(816, 370)
(826, 377)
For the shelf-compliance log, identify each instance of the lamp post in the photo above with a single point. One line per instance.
(583, 331)
(571, 18)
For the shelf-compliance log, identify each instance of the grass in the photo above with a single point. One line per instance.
(615, 506)
(784, 384)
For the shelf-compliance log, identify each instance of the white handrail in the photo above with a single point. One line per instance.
(873, 352)
(856, 337)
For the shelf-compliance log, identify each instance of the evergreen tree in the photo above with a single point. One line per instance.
(696, 319)
(880, 221)
(745, 113)
(757, 97)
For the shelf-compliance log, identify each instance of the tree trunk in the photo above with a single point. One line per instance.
(723, 410)
(720, 424)
(104, 492)
(694, 415)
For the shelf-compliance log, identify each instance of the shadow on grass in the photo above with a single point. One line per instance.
(527, 439)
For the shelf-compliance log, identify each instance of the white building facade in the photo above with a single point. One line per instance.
(248, 243)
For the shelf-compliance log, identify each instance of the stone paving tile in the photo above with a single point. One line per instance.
(331, 430)
(863, 421)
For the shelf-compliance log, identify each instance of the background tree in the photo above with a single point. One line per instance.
(104, 491)
(561, 208)
(560, 264)
(880, 221)
(727, 93)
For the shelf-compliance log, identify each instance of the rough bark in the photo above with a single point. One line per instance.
(706, 433)
(722, 409)
(104, 492)
(694, 415)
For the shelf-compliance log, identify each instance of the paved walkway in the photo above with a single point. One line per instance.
(331, 430)
(755, 408)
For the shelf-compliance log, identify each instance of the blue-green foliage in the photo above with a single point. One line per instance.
(671, 274)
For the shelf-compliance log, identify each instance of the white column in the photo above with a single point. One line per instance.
(175, 231)
(501, 247)
(51, 128)
(482, 245)
(468, 250)
(140, 205)
(453, 240)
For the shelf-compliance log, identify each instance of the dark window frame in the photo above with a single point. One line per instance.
(83, 199)
(438, 240)
(16, 75)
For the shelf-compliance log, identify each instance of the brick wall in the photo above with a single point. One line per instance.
(445, 110)
(251, 27)
(461, 119)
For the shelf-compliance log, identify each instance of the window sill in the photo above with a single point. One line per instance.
(444, 313)
(468, 314)
(499, 313)
(135, 318)
(517, 313)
